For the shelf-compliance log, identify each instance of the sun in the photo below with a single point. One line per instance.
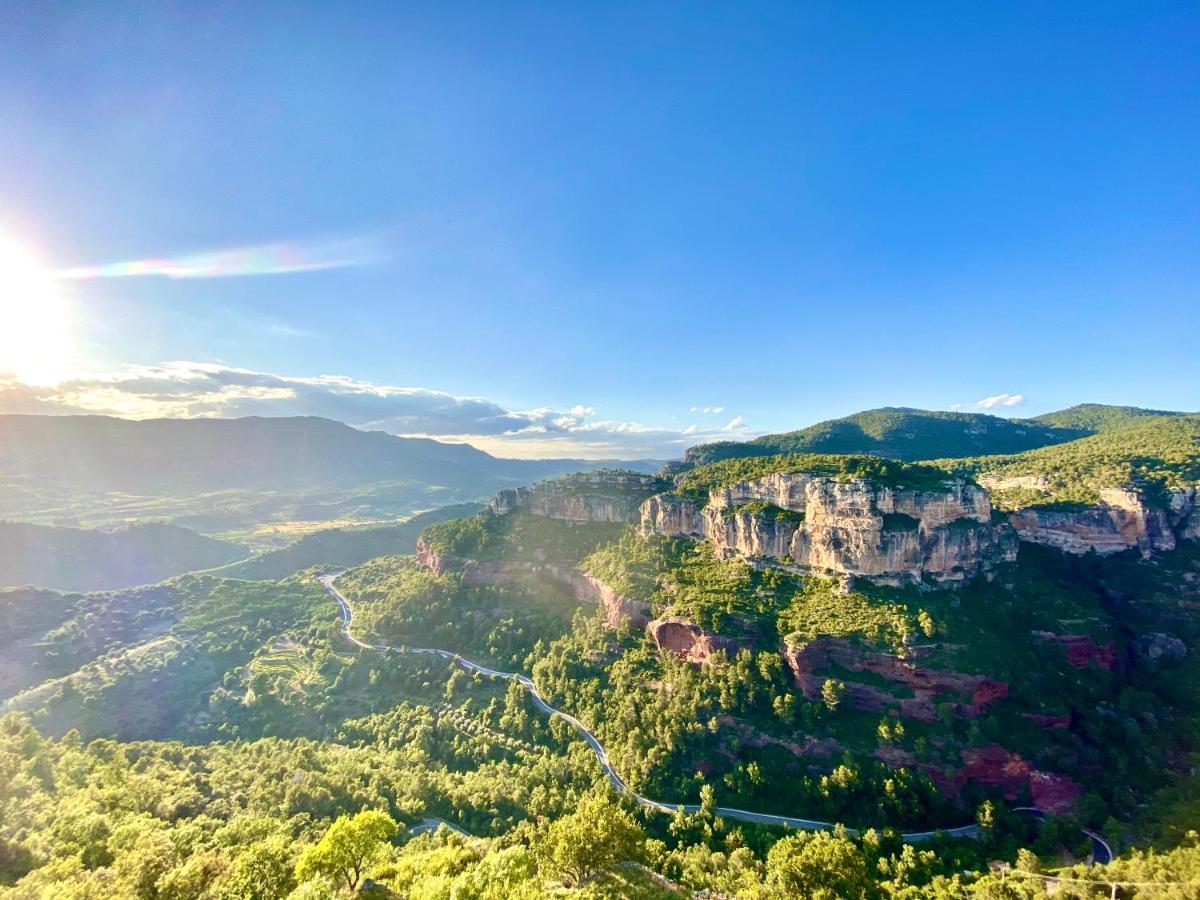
(34, 336)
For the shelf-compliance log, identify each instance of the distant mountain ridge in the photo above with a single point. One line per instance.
(170, 456)
(916, 434)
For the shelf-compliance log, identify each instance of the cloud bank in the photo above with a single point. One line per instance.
(193, 390)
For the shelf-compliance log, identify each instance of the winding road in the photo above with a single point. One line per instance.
(965, 831)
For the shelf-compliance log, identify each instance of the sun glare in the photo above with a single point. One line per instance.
(34, 341)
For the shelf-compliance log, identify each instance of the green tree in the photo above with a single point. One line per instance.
(832, 692)
(263, 871)
(348, 848)
(598, 835)
(818, 865)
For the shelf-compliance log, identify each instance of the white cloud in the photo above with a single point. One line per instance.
(1000, 400)
(708, 410)
(194, 390)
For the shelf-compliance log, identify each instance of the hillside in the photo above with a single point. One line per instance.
(74, 559)
(1153, 453)
(1098, 417)
(916, 434)
(178, 456)
(344, 547)
(253, 727)
(228, 478)
(899, 433)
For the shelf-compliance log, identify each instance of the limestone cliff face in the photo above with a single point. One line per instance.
(1123, 520)
(590, 497)
(853, 527)
(669, 514)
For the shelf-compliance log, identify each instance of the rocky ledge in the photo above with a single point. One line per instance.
(586, 497)
(855, 527)
(1123, 520)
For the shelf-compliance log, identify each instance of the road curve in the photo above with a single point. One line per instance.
(965, 831)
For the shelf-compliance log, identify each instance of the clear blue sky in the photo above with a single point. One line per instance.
(789, 211)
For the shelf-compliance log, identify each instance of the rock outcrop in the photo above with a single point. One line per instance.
(1123, 520)
(1015, 778)
(1082, 650)
(585, 588)
(968, 696)
(586, 497)
(687, 640)
(852, 527)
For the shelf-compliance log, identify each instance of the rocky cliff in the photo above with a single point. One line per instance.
(854, 527)
(586, 497)
(1123, 520)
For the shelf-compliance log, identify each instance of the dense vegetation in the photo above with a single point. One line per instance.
(1096, 418)
(211, 738)
(905, 434)
(517, 537)
(295, 766)
(1152, 453)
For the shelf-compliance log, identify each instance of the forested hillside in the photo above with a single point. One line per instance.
(74, 559)
(1153, 453)
(212, 737)
(916, 434)
(906, 434)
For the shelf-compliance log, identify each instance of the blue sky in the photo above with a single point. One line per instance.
(603, 222)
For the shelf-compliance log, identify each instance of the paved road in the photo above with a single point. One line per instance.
(1101, 851)
(965, 831)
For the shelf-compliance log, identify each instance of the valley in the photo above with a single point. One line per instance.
(843, 670)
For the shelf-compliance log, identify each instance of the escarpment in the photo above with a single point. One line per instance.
(585, 588)
(1124, 519)
(586, 497)
(852, 527)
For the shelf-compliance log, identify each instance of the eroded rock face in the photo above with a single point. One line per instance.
(586, 588)
(1082, 650)
(969, 696)
(1014, 777)
(590, 497)
(687, 640)
(853, 527)
(1123, 520)
(669, 514)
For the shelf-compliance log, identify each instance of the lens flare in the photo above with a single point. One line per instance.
(34, 336)
(263, 259)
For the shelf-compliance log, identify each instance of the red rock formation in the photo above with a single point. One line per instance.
(929, 686)
(1053, 793)
(687, 640)
(998, 768)
(1082, 650)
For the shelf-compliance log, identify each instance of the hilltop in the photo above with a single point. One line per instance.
(916, 434)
